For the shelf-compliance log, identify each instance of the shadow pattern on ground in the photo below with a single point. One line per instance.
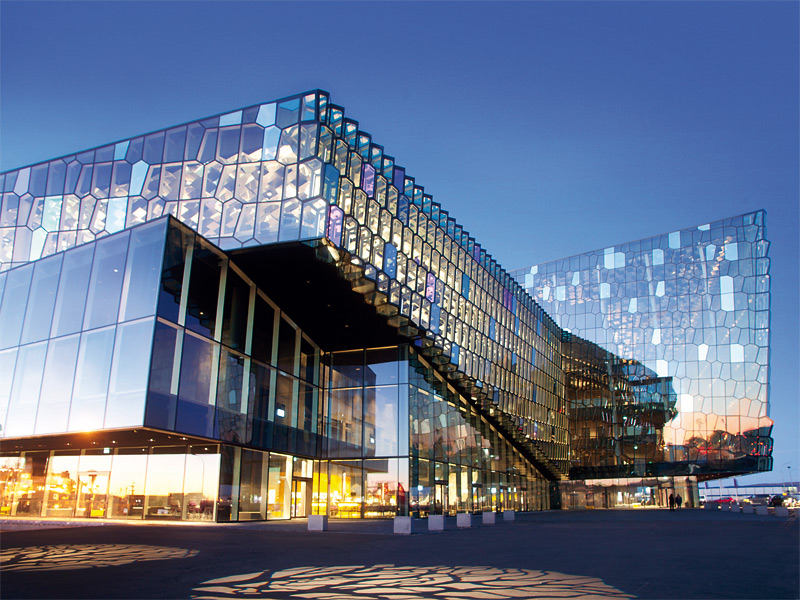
(84, 556)
(390, 582)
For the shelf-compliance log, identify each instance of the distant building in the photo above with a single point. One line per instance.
(260, 316)
(691, 306)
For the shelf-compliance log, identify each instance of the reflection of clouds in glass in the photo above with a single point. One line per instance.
(387, 582)
(84, 556)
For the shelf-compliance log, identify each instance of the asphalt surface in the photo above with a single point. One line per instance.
(557, 554)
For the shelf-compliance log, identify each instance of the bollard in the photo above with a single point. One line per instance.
(464, 520)
(435, 522)
(781, 511)
(489, 517)
(509, 515)
(318, 523)
(402, 525)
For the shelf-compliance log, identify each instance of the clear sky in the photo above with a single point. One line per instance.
(546, 128)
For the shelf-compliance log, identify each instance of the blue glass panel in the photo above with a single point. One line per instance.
(454, 354)
(330, 184)
(55, 179)
(390, 260)
(234, 118)
(129, 371)
(154, 148)
(402, 210)
(435, 314)
(121, 150)
(135, 149)
(175, 144)
(399, 179)
(492, 324)
(36, 185)
(465, 286)
(288, 112)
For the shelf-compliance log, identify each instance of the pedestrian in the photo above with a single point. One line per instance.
(672, 501)
(678, 501)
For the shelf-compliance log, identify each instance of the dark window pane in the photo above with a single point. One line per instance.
(286, 347)
(231, 421)
(308, 361)
(263, 325)
(162, 399)
(195, 413)
(201, 309)
(169, 297)
(347, 369)
(258, 403)
(234, 320)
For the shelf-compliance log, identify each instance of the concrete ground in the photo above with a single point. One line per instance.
(557, 554)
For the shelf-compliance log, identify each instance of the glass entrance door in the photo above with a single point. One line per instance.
(92, 495)
(301, 497)
(440, 505)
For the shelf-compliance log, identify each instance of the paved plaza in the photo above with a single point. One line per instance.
(556, 554)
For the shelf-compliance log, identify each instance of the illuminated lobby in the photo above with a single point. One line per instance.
(261, 316)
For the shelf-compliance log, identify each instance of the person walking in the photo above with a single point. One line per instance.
(678, 501)
(671, 502)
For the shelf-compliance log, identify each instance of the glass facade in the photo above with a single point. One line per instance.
(692, 306)
(171, 346)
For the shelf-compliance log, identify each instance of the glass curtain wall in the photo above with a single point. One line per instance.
(227, 362)
(76, 330)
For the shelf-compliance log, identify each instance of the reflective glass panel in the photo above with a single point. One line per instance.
(72, 287)
(142, 271)
(61, 489)
(91, 380)
(59, 373)
(42, 298)
(105, 285)
(129, 370)
(12, 309)
(25, 390)
(164, 484)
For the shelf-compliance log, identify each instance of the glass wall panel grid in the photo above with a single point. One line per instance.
(228, 363)
(81, 385)
(692, 305)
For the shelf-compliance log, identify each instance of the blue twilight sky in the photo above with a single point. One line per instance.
(546, 128)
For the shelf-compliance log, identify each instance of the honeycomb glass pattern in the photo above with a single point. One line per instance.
(297, 170)
(693, 305)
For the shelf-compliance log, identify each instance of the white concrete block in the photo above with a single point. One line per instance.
(509, 515)
(402, 525)
(464, 520)
(762, 510)
(489, 517)
(318, 523)
(435, 522)
(748, 509)
(735, 508)
(781, 511)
